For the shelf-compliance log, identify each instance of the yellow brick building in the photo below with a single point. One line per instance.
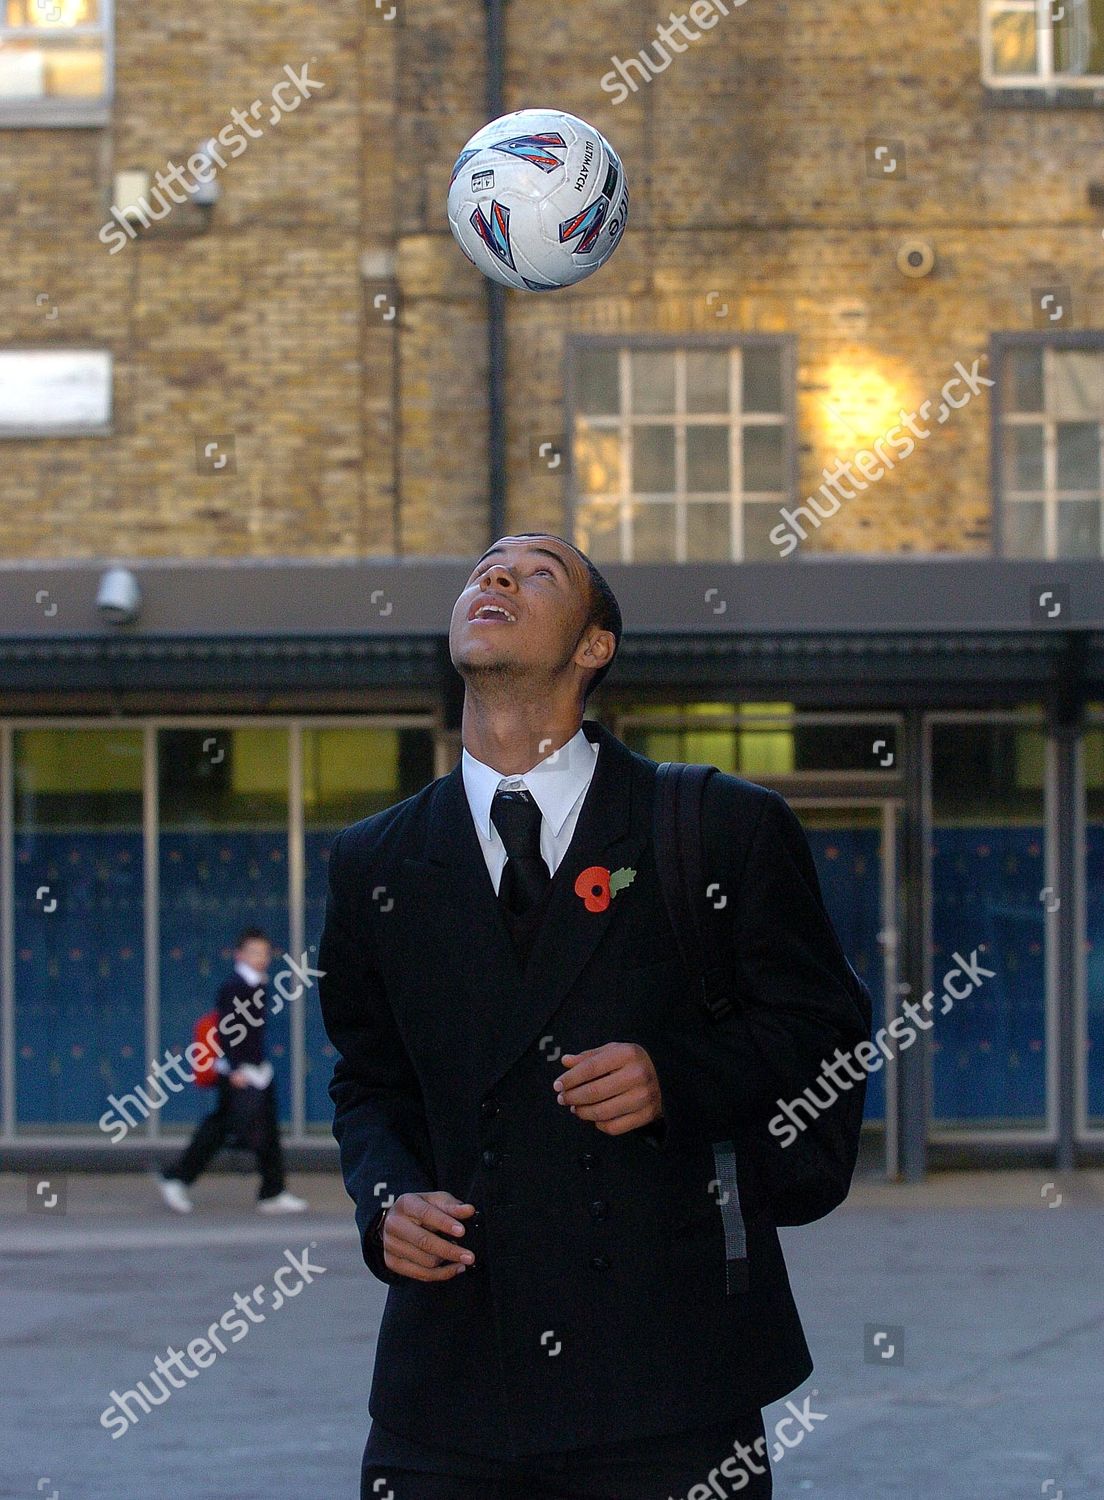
(831, 421)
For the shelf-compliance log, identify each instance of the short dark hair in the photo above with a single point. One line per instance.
(252, 935)
(603, 609)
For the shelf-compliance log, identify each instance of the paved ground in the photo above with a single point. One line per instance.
(990, 1298)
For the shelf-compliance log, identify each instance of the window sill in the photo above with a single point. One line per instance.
(1043, 96)
(52, 114)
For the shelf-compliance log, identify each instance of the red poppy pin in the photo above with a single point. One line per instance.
(596, 885)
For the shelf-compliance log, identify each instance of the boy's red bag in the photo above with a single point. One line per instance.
(206, 1030)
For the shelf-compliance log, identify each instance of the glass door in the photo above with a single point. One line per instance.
(854, 848)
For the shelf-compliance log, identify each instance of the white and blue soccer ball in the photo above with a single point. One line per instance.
(538, 200)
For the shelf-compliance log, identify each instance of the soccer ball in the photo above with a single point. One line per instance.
(538, 200)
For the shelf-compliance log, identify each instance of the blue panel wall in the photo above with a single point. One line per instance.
(989, 1051)
(79, 978)
(213, 885)
(321, 1056)
(849, 866)
(79, 973)
(1094, 965)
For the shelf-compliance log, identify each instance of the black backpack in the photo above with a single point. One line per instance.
(805, 1180)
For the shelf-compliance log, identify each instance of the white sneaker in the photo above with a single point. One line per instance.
(175, 1195)
(283, 1203)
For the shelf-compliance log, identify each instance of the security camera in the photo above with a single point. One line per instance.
(119, 598)
(915, 258)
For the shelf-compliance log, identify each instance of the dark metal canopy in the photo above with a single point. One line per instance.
(832, 631)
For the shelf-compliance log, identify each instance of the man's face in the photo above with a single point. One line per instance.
(256, 953)
(521, 611)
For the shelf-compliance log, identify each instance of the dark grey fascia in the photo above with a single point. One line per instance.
(309, 598)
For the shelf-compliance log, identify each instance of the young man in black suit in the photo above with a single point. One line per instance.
(246, 1104)
(527, 1099)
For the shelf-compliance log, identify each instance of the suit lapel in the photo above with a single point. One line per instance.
(508, 1009)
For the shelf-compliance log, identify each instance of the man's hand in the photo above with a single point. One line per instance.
(238, 1079)
(615, 1086)
(410, 1246)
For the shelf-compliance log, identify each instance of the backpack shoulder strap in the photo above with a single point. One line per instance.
(680, 866)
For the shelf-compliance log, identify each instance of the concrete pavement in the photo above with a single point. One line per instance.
(985, 1383)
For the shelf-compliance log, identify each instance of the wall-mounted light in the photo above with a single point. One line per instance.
(119, 598)
(915, 258)
(205, 193)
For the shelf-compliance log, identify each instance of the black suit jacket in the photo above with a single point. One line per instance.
(237, 1048)
(597, 1309)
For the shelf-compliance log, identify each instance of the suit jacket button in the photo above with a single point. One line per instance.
(600, 1262)
(489, 1108)
(588, 1161)
(476, 1220)
(490, 1158)
(599, 1208)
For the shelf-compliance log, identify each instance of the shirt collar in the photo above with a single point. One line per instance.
(249, 973)
(556, 783)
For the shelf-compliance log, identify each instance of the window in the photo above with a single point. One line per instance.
(1048, 448)
(55, 393)
(681, 452)
(55, 62)
(1039, 44)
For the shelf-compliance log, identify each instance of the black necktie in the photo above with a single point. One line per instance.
(525, 877)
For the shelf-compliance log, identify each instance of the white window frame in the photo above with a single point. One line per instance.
(1044, 76)
(1051, 496)
(58, 112)
(735, 420)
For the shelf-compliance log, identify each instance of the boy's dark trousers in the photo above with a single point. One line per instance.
(253, 1122)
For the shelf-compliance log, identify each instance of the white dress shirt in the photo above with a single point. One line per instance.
(257, 1075)
(558, 785)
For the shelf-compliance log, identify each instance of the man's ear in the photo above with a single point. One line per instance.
(606, 645)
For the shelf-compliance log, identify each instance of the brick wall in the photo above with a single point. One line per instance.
(748, 163)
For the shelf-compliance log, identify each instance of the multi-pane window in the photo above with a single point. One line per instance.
(55, 62)
(680, 454)
(1049, 450)
(1043, 43)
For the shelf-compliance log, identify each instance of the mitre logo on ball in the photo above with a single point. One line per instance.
(538, 200)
